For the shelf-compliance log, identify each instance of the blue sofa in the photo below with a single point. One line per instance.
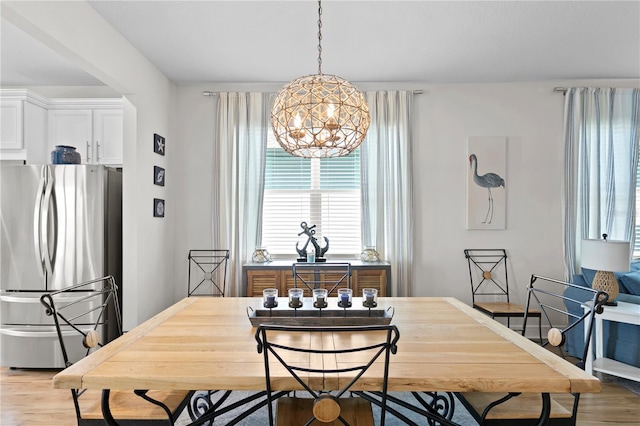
(621, 341)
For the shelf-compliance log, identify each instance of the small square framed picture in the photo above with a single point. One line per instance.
(158, 176)
(158, 144)
(158, 207)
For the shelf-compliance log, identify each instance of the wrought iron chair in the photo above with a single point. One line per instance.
(208, 277)
(490, 286)
(207, 272)
(82, 314)
(322, 275)
(524, 408)
(326, 372)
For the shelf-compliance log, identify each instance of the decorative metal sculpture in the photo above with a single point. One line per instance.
(320, 251)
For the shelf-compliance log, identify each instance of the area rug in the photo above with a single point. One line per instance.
(259, 418)
(461, 416)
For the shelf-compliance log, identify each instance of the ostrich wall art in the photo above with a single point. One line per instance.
(488, 180)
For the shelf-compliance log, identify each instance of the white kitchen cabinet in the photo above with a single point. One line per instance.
(35, 133)
(11, 124)
(108, 135)
(32, 125)
(72, 128)
(23, 125)
(97, 134)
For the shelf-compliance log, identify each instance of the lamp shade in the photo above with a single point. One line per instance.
(605, 255)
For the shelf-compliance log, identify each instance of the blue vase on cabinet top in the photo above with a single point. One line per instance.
(64, 154)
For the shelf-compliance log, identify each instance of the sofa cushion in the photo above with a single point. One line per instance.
(630, 283)
(588, 275)
(578, 279)
(629, 298)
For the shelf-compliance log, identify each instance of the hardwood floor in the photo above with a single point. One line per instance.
(27, 398)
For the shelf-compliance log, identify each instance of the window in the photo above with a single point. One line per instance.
(324, 192)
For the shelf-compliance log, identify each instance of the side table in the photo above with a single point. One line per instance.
(626, 313)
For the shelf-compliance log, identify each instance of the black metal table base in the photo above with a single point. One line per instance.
(437, 408)
(202, 409)
(206, 415)
(545, 411)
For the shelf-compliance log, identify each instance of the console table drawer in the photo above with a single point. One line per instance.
(259, 279)
(369, 278)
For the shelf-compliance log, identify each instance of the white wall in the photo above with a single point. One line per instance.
(529, 115)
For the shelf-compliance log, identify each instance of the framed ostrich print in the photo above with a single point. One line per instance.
(486, 182)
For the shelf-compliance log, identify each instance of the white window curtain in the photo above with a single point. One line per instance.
(601, 155)
(386, 172)
(242, 122)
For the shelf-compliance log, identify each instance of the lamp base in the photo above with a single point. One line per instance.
(606, 281)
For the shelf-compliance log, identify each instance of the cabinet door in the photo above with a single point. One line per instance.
(11, 129)
(108, 136)
(36, 138)
(289, 282)
(259, 279)
(369, 278)
(73, 128)
(330, 279)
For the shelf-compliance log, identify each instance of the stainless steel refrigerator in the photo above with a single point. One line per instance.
(60, 225)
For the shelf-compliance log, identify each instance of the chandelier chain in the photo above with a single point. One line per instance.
(319, 36)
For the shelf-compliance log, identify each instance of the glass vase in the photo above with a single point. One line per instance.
(369, 254)
(261, 255)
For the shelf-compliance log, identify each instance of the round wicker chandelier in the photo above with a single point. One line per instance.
(320, 115)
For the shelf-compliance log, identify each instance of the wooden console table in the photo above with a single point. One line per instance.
(278, 274)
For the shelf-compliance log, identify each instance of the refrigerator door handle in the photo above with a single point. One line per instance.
(12, 298)
(48, 198)
(37, 219)
(8, 331)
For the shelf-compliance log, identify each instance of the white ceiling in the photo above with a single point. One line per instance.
(363, 41)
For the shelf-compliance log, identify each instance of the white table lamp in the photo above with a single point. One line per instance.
(605, 257)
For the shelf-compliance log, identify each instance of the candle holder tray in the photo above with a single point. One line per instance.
(332, 315)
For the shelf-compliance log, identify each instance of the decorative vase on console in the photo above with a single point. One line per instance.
(369, 254)
(261, 255)
(65, 154)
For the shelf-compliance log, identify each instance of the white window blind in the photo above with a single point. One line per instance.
(324, 192)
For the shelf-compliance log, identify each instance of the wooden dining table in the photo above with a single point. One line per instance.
(209, 343)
